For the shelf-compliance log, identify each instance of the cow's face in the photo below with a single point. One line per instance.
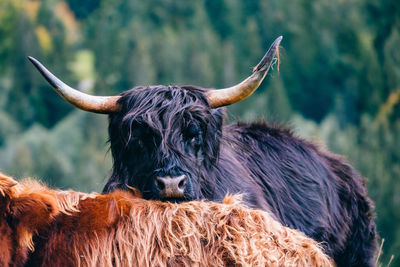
(163, 140)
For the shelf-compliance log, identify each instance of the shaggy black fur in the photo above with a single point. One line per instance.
(170, 131)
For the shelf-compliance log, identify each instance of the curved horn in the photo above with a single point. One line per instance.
(231, 95)
(96, 104)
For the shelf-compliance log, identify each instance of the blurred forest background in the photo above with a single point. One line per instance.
(338, 84)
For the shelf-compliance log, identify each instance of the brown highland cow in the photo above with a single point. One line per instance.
(45, 227)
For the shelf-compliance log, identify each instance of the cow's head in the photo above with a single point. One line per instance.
(24, 210)
(163, 138)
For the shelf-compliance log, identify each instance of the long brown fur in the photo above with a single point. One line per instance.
(45, 227)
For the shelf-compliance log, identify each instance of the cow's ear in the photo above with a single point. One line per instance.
(31, 213)
(219, 115)
(6, 188)
(6, 185)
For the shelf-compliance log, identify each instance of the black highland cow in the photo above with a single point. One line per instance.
(170, 143)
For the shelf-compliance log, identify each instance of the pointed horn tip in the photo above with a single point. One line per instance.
(276, 43)
(31, 59)
(278, 40)
(34, 61)
(267, 59)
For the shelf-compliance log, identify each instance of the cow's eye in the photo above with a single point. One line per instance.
(136, 137)
(193, 141)
(191, 132)
(139, 142)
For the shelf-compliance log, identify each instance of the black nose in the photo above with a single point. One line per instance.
(171, 187)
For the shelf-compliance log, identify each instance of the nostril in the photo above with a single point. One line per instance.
(160, 184)
(182, 184)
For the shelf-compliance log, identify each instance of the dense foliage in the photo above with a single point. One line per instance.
(338, 84)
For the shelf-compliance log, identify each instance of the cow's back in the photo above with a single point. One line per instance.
(308, 189)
